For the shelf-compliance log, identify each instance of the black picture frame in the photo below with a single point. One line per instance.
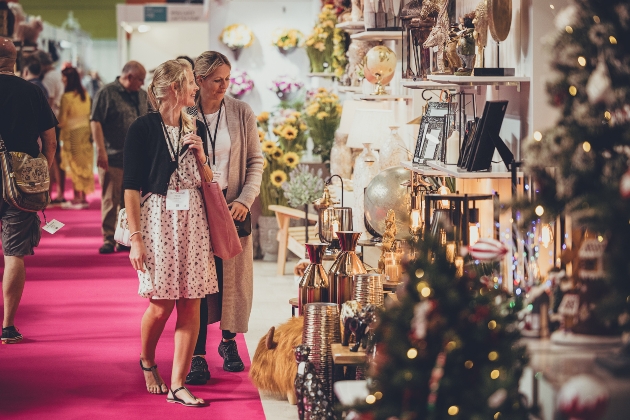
(430, 139)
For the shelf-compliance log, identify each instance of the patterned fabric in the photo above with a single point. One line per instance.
(77, 158)
(179, 259)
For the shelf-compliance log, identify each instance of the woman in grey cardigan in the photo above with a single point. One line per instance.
(236, 160)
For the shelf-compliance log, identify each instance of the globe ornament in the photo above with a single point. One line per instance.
(388, 190)
(379, 68)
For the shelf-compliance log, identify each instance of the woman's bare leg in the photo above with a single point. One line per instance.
(153, 322)
(186, 331)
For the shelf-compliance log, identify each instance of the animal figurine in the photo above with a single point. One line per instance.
(349, 315)
(312, 401)
(357, 10)
(273, 365)
(451, 50)
(466, 46)
(366, 317)
(439, 34)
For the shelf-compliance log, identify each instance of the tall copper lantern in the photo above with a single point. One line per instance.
(344, 268)
(314, 283)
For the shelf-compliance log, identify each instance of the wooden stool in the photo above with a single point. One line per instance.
(294, 305)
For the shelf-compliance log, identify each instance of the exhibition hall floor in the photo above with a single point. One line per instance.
(80, 316)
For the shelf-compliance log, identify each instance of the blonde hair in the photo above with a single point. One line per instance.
(167, 73)
(208, 62)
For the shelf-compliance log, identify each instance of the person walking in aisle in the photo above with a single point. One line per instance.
(31, 72)
(237, 163)
(115, 107)
(25, 116)
(51, 79)
(164, 152)
(77, 152)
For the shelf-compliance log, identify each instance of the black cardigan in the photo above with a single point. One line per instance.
(147, 162)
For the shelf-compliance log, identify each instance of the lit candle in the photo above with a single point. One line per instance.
(415, 219)
(335, 226)
(473, 233)
(459, 266)
(545, 235)
(450, 252)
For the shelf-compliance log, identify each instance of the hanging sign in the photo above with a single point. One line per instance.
(155, 13)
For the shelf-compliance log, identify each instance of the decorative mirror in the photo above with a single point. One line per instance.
(499, 18)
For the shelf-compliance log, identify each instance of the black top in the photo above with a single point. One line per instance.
(24, 114)
(148, 165)
(116, 108)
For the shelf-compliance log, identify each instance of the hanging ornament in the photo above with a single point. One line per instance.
(486, 249)
(624, 185)
(598, 87)
(583, 398)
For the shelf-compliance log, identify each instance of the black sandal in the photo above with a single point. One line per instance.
(153, 370)
(182, 402)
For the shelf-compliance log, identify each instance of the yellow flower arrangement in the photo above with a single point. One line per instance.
(287, 39)
(268, 146)
(321, 115)
(261, 135)
(278, 153)
(291, 159)
(289, 133)
(236, 36)
(312, 109)
(290, 120)
(324, 43)
(278, 178)
(263, 117)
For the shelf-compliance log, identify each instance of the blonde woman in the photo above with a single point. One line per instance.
(236, 158)
(170, 245)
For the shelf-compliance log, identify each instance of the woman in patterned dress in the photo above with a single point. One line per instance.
(170, 245)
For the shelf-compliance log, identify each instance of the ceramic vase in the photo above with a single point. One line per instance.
(393, 151)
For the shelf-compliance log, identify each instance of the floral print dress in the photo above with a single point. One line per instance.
(180, 262)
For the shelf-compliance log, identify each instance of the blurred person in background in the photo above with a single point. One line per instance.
(32, 72)
(115, 107)
(93, 83)
(77, 152)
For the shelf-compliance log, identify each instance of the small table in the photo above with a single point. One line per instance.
(294, 305)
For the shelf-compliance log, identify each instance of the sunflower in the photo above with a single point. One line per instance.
(278, 153)
(265, 164)
(296, 114)
(303, 127)
(278, 178)
(289, 133)
(290, 120)
(276, 131)
(268, 146)
(261, 135)
(322, 115)
(312, 109)
(291, 159)
(263, 117)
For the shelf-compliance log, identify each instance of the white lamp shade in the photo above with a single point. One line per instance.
(350, 108)
(370, 126)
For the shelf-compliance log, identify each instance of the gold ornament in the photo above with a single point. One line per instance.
(389, 238)
(380, 67)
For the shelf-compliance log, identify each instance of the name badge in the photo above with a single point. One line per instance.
(215, 172)
(178, 200)
(53, 226)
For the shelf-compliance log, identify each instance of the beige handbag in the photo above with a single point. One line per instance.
(25, 180)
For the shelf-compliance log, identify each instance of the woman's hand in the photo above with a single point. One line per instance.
(138, 253)
(196, 145)
(238, 211)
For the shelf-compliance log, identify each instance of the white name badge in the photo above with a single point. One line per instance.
(53, 226)
(216, 174)
(178, 200)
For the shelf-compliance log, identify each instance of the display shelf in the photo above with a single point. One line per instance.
(323, 74)
(421, 170)
(480, 80)
(350, 89)
(454, 171)
(377, 36)
(427, 84)
(351, 27)
(361, 97)
(343, 356)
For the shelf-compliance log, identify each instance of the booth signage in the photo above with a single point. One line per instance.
(155, 13)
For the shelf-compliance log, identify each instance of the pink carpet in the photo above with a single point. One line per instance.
(80, 317)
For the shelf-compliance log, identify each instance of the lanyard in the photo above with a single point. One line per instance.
(171, 147)
(213, 141)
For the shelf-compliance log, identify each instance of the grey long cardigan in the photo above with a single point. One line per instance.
(234, 304)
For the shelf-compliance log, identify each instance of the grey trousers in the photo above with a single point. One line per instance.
(112, 200)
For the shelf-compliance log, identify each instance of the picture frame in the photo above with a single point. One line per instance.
(430, 139)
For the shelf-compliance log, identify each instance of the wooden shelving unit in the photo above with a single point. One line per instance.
(421, 170)
(352, 27)
(480, 80)
(378, 36)
(454, 171)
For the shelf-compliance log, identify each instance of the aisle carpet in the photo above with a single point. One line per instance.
(80, 316)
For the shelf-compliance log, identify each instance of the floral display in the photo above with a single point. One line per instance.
(240, 83)
(236, 37)
(287, 39)
(323, 113)
(304, 186)
(289, 127)
(286, 87)
(326, 45)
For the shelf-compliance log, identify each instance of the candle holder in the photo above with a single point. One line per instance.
(332, 219)
(344, 268)
(314, 283)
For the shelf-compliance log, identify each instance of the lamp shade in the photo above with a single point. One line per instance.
(370, 126)
(350, 108)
